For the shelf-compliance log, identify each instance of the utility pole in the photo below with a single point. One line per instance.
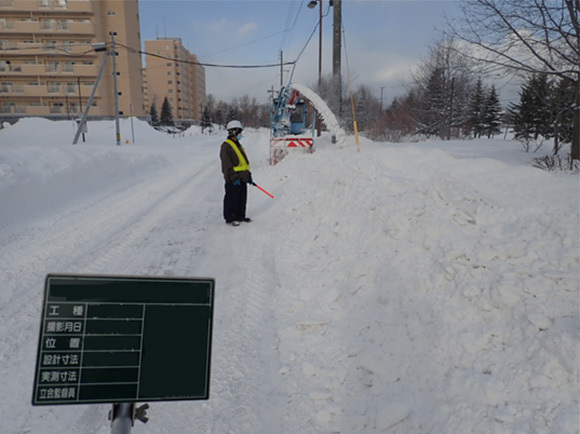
(382, 87)
(114, 53)
(450, 122)
(97, 47)
(80, 103)
(318, 120)
(281, 68)
(336, 49)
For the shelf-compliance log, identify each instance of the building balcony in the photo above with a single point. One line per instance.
(29, 91)
(39, 70)
(48, 110)
(60, 6)
(13, 110)
(84, 70)
(82, 29)
(21, 28)
(9, 50)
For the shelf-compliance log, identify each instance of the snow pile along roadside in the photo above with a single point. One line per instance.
(425, 299)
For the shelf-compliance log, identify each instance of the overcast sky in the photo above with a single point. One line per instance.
(384, 40)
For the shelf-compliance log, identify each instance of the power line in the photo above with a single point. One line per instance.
(205, 64)
(308, 41)
(243, 45)
(210, 65)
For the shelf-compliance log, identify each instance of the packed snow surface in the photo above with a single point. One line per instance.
(407, 288)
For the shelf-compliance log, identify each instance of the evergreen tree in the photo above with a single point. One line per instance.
(219, 113)
(367, 106)
(166, 114)
(154, 115)
(475, 118)
(492, 114)
(541, 97)
(532, 116)
(563, 112)
(522, 114)
(433, 112)
(233, 114)
(205, 118)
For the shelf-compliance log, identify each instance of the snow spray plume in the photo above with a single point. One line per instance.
(327, 115)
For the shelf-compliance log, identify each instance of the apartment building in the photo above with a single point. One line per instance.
(175, 75)
(48, 66)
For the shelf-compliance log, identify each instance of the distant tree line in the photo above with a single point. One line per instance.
(445, 99)
(245, 109)
(448, 98)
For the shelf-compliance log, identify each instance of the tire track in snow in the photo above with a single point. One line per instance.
(245, 356)
(89, 229)
(79, 243)
(119, 247)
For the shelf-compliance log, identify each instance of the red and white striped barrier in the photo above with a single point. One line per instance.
(291, 142)
(280, 146)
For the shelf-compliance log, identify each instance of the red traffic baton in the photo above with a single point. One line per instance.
(260, 188)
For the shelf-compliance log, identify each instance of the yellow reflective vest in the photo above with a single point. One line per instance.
(243, 163)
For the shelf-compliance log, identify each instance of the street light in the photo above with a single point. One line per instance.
(312, 5)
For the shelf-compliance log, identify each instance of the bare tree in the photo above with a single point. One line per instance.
(532, 36)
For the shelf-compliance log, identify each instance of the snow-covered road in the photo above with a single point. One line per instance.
(162, 219)
(406, 288)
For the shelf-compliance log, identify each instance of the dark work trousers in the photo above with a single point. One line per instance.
(235, 202)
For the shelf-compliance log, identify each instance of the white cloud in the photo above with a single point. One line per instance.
(219, 26)
(399, 70)
(247, 29)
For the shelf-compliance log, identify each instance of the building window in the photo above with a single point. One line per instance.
(62, 25)
(111, 13)
(46, 24)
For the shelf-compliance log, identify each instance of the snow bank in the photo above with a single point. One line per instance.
(440, 300)
(426, 287)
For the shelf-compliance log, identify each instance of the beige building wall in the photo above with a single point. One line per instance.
(47, 63)
(182, 81)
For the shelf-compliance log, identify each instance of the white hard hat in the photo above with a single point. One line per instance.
(234, 124)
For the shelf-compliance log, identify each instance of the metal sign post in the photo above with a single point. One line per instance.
(114, 53)
(122, 418)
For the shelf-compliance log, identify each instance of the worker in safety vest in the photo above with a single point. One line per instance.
(237, 175)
